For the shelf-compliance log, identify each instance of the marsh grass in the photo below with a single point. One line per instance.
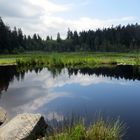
(71, 59)
(99, 130)
(110, 130)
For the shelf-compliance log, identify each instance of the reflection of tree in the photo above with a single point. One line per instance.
(9, 73)
(6, 76)
(127, 72)
(55, 71)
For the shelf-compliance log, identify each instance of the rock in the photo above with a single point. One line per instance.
(2, 115)
(24, 127)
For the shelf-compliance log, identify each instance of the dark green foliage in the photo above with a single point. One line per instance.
(114, 39)
(58, 38)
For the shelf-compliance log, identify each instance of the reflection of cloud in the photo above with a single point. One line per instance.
(38, 102)
(54, 116)
(125, 83)
(64, 79)
(36, 91)
(47, 81)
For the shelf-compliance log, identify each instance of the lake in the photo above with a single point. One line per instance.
(57, 93)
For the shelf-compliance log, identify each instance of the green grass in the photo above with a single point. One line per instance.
(100, 130)
(7, 61)
(71, 59)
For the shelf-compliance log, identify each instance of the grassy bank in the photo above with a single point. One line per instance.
(71, 59)
(100, 130)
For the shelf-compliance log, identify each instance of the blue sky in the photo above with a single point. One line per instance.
(103, 8)
(47, 17)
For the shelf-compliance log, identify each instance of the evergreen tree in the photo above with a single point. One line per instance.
(58, 37)
(119, 38)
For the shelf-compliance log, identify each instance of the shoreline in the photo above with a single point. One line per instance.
(70, 59)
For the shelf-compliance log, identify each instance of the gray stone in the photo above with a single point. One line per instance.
(23, 127)
(2, 115)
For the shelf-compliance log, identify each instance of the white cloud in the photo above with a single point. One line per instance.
(85, 2)
(44, 17)
(49, 7)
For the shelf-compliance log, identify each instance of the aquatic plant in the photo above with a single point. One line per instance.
(99, 130)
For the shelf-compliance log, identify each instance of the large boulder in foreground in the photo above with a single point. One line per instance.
(23, 127)
(3, 114)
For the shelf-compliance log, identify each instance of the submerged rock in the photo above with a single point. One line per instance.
(2, 115)
(23, 127)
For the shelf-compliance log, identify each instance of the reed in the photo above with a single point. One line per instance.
(99, 130)
(71, 59)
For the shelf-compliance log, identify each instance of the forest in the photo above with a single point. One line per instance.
(112, 39)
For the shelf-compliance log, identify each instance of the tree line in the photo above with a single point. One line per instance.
(116, 39)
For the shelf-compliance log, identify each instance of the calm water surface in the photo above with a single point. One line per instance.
(115, 92)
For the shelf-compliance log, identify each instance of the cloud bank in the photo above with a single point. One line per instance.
(47, 18)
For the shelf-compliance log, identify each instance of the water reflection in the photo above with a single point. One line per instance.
(127, 72)
(114, 91)
(8, 73)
